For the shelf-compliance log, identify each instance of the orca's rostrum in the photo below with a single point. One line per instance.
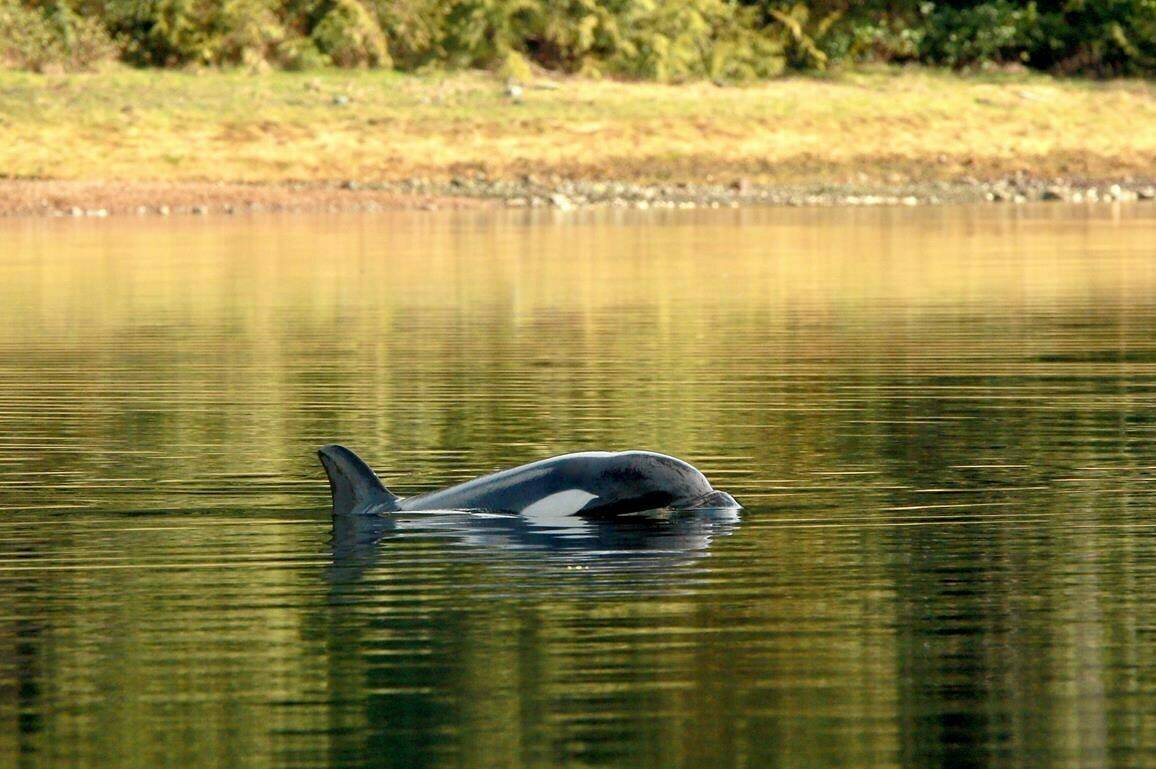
(595, 483)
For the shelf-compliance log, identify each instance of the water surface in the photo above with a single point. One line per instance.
(941, 421)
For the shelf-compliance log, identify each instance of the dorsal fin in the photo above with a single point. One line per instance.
(355, 487)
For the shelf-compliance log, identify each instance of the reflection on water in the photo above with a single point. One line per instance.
(656, 539)
(941, 423)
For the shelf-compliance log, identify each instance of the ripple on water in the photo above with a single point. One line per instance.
(940, 422)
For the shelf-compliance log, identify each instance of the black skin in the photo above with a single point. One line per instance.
(606, 484)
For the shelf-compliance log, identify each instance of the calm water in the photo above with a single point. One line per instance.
(942, 423)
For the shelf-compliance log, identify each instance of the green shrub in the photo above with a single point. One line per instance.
(482, 33)
(298, 54)
(1102, 37)
(51, 37)
(804, 31)
(996, 31)
(667, 40)
(413, 29)
(349, 35)
(670, 40)
(574, 36)
(247, 32)
(177, 32)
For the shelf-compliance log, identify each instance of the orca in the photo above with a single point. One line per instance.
(590, 484)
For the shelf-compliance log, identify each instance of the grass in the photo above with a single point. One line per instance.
(882, 125)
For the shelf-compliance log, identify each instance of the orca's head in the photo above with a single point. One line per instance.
(641, 480)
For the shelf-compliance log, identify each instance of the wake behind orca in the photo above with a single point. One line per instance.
(595, 483)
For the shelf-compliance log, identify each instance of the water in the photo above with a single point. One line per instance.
(941, 422)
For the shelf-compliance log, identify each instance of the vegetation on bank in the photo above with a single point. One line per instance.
(664, 40)
(881, 125)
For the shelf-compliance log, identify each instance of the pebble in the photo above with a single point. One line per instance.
(568, 194)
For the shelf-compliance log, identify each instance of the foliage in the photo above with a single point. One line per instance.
(177, 32)
(667, 40)
(489, 33)
(803, 38)
(52, 36)
(1066, 36)
(300, 53)
(998, 31)
(414, 30)
(671, 40)
(348, 34)
(1103, 36)
(655, 39)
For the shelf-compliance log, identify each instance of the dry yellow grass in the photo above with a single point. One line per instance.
(883, 125)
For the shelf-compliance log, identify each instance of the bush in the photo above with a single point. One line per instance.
(484, 33)
(349, 35)
(803, 35)
(1102, 37)
(50, 38)
(413, 29)
(178, 32)
(998, 31)
(299, 53)
(669, 40)
(666, 40)
(574, 36)
(657, 39)
(247, 32)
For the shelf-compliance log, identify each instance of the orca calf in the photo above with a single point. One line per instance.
(592, 483)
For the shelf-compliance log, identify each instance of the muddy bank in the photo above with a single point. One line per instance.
(21, 197)
(36, 197)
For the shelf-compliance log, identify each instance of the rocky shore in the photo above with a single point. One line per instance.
(560, 193)
(23, 197)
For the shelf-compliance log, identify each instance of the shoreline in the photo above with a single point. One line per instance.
(154, 142)
(36, 198)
